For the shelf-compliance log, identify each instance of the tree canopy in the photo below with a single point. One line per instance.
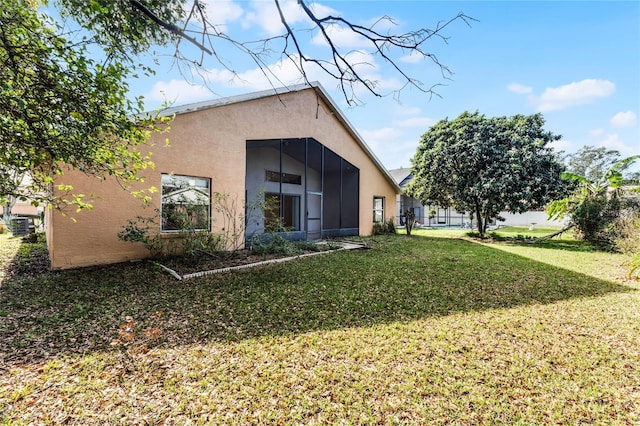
(64, 98)
(595, 204)
(591, 162)
(61, 109)
(487, 165)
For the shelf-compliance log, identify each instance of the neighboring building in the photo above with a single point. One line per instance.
(23, 208)
(433, 215)
(20, 207)
(426, 215)
(293, 149)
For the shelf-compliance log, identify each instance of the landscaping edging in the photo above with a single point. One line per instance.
(345, 246)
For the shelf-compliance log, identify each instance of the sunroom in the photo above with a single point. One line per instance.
(300, 189)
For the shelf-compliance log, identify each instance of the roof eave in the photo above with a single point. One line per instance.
(319, 90)
(354, 133)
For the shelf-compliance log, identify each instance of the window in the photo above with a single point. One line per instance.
(286, 177)
(186, 203)
(282, 213)
(378, 209)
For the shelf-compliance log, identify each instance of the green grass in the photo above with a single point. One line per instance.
(504, 232)
(417, 330)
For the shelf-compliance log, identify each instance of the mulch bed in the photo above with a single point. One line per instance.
(221, 260)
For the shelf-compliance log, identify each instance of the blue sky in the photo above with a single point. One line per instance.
(576, 62)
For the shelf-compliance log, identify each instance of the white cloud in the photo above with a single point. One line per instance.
(624, 119)
(381, 136)
(341, 37)
(423, 122)
(412, 58)
(177, 91)
(391, 146)
(181, 91)
(596, 133)
(398, 153)
(266, 15)
(519, 89)
(576, 93)
(221, 12)
(283, 72)
(404, 111)
(614, 141)
(380, 140)
(561, 145)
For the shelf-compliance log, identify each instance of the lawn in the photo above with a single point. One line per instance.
(427, 329)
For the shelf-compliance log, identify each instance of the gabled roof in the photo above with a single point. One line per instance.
(319, 90)
(402, 176)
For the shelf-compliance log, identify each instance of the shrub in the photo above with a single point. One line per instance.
(391, 226)
(384, 228)
(195, 243)
(137, 231)
(593, 217)
(35, 237)
(307, 245)
(476, 235)
(634, 266)
(625, 234)
(273, 244)
(190, 241)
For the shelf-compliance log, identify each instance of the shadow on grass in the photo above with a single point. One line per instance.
(19, 258)
(401, 279)
(556, 244)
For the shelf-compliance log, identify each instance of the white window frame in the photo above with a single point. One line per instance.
(378, 210)
(185, 189)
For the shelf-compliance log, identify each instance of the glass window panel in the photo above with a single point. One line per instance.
(350, 195)
(186, 203)
(378, 209)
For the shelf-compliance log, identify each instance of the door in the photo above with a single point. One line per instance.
(314, 215)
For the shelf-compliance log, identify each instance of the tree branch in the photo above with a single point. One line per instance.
(168, 26)
(338, 63)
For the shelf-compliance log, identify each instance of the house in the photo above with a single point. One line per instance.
(291, 149)
(20, 206)
(435, 216)
(426, 215)
(23, 208)
(20, 214)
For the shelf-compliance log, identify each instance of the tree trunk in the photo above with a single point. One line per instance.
(6, 209)
(410, 220)
(479, 219)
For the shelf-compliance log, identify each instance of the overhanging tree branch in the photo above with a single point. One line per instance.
(338, 63)
(168, 26)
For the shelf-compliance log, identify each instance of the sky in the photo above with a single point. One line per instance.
(576, 62)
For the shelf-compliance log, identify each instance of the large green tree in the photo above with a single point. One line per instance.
(487, 165)
(59, 108)
(592, 163)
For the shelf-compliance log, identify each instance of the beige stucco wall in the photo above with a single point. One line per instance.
(207, 143)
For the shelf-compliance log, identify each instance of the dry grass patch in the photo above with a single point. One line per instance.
(415, 331)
